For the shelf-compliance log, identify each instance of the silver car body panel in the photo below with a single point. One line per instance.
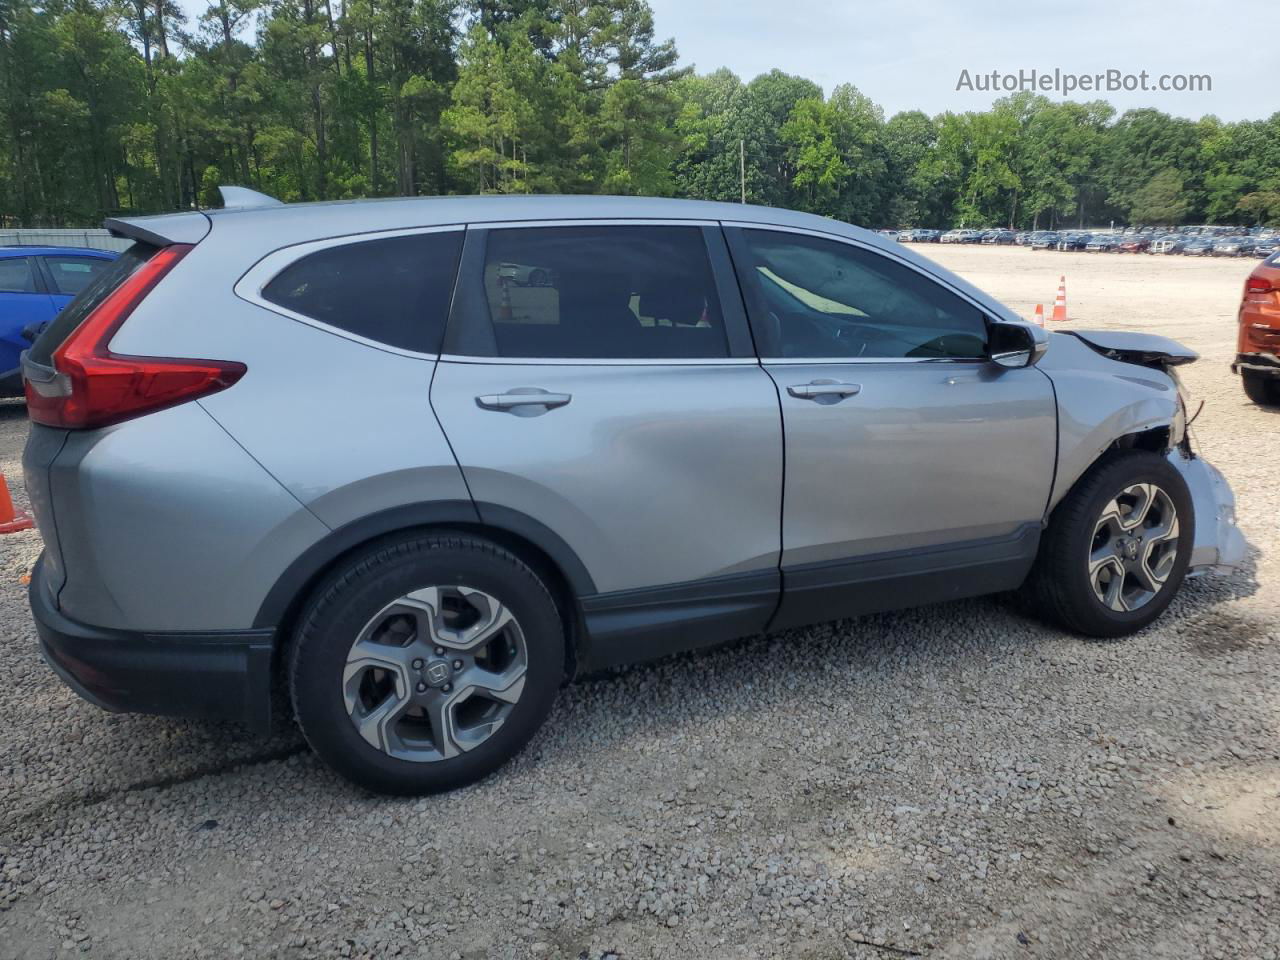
(654, 474)
(925, 454)
(193, 541)
(1101, 400)
(351, 430)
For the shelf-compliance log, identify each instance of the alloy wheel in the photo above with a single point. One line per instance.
(1134, 547)
(435, 673)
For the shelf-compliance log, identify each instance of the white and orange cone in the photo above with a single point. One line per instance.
(1040, 314)
(1060, 302)
(11, 521)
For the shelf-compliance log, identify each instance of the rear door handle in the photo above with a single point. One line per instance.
(824, 391)
(524, 401)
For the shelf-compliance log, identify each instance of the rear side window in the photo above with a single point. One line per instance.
(395, 290)
(98, 289)
(607, 292)
(16, 276)
(72, 274)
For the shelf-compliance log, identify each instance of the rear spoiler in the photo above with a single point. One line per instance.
(163, 230)
(1144, 349)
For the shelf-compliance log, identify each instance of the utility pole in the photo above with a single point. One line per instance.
(742, 168)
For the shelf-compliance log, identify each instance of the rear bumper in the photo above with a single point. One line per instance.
(210, 676)
(1267, 364)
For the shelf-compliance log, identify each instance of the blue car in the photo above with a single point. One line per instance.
(35, 283)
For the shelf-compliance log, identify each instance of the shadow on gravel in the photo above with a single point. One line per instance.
(1223, 632)
(12, 409)
(214, 748)
(1203, 615)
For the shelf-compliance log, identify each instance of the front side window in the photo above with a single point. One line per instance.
(16, 276)
(72, 274)
(395, 290)
(822, 299)
(606, 292)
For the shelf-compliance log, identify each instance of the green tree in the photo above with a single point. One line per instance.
(912, 197)
(1141, 144)
(1160, 200)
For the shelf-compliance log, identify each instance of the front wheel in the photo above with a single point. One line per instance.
(1117, 547)
(426, 663)
(1264, 391)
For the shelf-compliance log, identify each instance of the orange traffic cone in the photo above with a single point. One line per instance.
(10, 520)
(1060, 302)
(1040, 314)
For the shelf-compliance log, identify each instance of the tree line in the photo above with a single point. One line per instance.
(127, 106)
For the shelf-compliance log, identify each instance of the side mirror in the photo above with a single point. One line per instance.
(1016, 344)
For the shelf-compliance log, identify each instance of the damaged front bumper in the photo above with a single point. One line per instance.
(1219, 546)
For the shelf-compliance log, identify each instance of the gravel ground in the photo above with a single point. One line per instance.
(955, 781)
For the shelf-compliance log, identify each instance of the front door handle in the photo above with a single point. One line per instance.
(824, 391)
(524, 401)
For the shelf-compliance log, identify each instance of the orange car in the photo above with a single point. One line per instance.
(1258, 349)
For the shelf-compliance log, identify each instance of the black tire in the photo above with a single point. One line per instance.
(1264, 391)
(1059, 588)
(347, 599)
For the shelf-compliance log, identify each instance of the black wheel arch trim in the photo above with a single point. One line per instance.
(290, 587)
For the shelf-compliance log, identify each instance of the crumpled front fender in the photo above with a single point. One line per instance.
(1219, 546)
(1101, 400)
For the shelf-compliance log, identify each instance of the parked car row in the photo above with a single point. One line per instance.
(1194, 242)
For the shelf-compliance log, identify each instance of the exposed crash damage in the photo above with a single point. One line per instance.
(1118, 389)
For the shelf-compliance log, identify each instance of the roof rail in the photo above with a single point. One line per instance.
(240, 198)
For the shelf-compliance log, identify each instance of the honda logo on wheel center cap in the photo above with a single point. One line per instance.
(437, 672)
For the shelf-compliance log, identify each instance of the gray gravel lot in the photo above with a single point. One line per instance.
(956, 781)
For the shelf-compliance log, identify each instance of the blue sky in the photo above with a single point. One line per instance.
(908, 54)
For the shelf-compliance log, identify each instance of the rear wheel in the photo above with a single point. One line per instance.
(1117, 547)
(425, 664)
(1264, 391)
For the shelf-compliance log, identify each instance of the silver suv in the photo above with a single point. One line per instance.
(418, 462)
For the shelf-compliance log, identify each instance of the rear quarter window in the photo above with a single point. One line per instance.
(395, 290)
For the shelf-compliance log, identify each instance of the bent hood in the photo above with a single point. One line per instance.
(1145, 349)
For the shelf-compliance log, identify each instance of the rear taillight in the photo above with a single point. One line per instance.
(94, 387)
(1258, 285)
